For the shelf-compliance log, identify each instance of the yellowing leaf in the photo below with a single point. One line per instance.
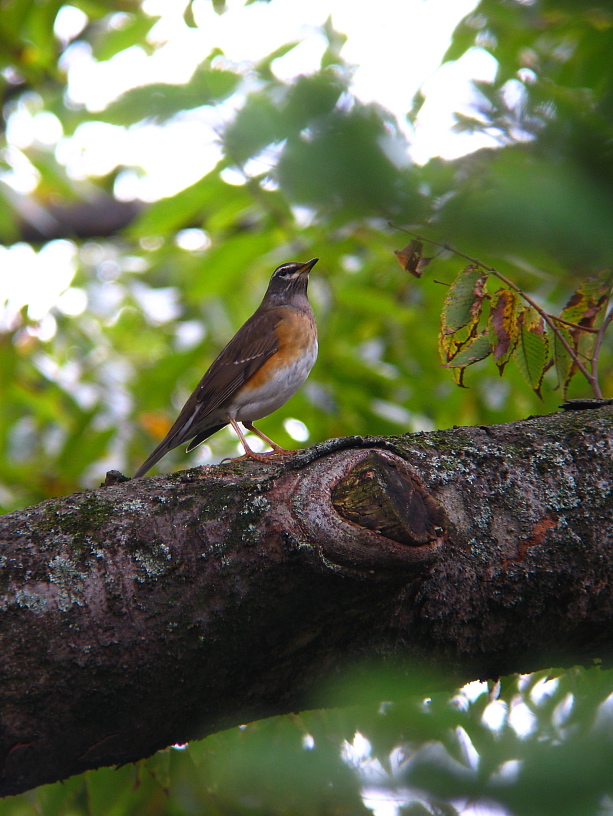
(477, 348)
(458, 376)
(586, 309)
(584, 306)
(532, 350)
(503, 325)
(411, 258)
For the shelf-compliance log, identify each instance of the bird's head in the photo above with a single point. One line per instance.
(288, 280)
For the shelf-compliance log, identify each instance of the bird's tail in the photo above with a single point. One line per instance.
(161, 450)
(169, 442)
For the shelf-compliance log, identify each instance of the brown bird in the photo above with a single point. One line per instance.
(263, 365)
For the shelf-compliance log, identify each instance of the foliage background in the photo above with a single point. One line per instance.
(93, 386)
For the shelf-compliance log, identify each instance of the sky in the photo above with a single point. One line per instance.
(396, 45)
(396, 51)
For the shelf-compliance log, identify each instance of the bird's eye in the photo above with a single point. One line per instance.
(285, 271)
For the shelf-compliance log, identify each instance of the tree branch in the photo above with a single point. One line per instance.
(551, 320)
(157, 611)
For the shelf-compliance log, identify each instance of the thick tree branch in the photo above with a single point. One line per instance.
(156, 611)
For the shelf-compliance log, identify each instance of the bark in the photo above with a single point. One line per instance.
(156, 611)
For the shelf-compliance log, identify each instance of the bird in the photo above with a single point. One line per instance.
(263, 365)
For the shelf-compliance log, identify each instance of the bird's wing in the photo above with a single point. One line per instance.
(253, 344)
(249, 349)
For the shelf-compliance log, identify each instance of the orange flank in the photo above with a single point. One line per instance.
(296, 336)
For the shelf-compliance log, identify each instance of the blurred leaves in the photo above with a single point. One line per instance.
(160, 101)
(317, 169)
(502, 210)
(535, 741)
(28, 43)
(92, 375)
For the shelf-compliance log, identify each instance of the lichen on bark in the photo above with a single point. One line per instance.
(152, 612)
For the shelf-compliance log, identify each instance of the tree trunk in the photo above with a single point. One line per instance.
(156, 611)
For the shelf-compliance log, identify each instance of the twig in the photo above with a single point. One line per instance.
(549, 319)
(600, 338)
(575, 325)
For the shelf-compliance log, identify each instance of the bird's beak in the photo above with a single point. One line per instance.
(304, 270)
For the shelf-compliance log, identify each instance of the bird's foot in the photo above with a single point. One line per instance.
(260, 457)
(279, 451)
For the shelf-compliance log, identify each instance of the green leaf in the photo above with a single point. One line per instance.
(188, 15)
(564, 363)
(264, 66)
(110, 790)
(363, 300)
(463, 39)
(8, 217)
(460, 317)
(256, 125)
(340, 165)
(133, 30)
(464, 300)
(225, 266)
(311, 97)
(532, 350)
(39, 36)
(160, 100)
(58, 799)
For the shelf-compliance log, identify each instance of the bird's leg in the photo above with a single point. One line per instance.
(276, 448)
(250, 454)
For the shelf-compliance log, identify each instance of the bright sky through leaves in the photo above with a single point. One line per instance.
(396, 51)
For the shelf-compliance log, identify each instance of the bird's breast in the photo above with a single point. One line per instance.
(278, 379)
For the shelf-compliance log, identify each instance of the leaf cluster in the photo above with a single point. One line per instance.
(522, 331)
